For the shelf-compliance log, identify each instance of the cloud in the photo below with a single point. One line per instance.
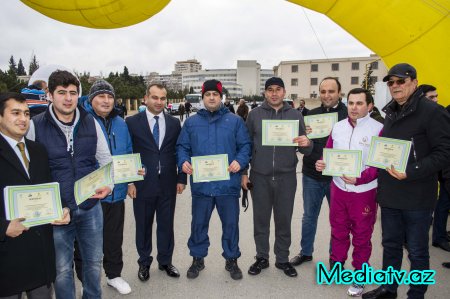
(217, 33)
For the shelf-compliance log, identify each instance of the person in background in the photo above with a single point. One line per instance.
(242, 109)
(429, 91)
(181, 111)
(122, 108)
(187, 107)
(303, 110)
(228, 105)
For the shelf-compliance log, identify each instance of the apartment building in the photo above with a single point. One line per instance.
(302, 77)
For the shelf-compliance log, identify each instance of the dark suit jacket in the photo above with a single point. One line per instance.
(27, 261)
(153, 158)
(304, 111)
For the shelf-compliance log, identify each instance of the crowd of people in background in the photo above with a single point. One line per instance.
(70, 136)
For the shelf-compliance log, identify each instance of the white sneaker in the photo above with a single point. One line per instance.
(120, 285)
(355, 290)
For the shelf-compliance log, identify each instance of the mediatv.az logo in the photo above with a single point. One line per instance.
(367, 275)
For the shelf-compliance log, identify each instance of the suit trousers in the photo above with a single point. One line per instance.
(43, 292)
(145, 209)
(277, 194)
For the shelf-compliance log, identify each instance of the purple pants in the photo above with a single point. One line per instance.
(353, 213)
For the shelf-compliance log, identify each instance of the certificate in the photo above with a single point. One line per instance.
(86, 186)
(340, 162)
(385, 152)
(126, 167)
(321, 124)
(38, 204)
(279, 132)
(210, 168)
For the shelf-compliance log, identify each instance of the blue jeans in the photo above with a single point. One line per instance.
(396, 225)
(441, 216)
(313, 193)
(87, 227)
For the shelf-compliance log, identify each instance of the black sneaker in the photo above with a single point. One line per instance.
(287, 269)
(232, 267)
(198, 264)
(261, 263)
(332, 263)
(300, 259)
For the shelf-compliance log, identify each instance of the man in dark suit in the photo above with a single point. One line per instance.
(303, 110)
(27, 256)
(154, 135)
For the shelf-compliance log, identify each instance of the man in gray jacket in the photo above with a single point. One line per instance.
(274, 179)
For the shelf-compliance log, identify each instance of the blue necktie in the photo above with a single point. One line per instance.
(156, 131)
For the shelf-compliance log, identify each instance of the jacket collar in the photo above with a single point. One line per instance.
(395, 112)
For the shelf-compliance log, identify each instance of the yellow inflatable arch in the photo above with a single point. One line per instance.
(413, 31)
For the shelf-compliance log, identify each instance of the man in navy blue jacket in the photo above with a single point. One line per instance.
(154, 135)
(214, 130)
(100, 104)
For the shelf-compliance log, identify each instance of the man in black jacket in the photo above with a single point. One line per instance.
(315, 185)
(408, 199)
(27, 255)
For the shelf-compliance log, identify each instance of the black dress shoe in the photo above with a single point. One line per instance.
(170, 270)
(300, 259)
(144, 273)
(256, 267)
(379, 293)
(443, 245)
(446, 265)
(287, 269)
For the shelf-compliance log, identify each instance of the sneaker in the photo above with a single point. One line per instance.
(198, 264)
(355, 290)
(261, 263)
(232, 267)
(120, 285)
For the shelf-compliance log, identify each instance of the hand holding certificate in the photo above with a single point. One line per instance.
(279, 132)
(38, 204)
(87, 186)
(320, 124)
(387, 152)
(126, 168)
(210, 168)
(342, 162)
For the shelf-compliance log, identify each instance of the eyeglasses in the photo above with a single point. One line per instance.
(399, 82)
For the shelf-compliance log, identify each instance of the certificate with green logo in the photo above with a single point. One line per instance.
(320, 124)
(279, 132)
(210, 168)
(38, 204)
(125, 168)
(385, 152)
(86, 186)
(342, 162)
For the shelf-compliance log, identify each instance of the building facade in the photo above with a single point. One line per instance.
(302, 77)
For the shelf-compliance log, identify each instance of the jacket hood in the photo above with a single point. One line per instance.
(86, 105)
(222, 111)
(265, 105)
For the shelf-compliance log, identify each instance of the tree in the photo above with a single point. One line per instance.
(368, 83)
(84, 80)
(21, 69)
(12, 65)
(34, 65)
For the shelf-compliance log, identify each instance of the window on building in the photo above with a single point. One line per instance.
(355, 66)
(335, 66)
(294, 96)
(355, 80)
(314, 81)
(294, 68)
(314, 67)
(294, 82)
(375, 65)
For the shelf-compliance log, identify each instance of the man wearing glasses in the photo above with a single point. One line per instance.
(408, 199)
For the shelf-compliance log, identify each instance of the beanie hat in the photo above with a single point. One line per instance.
(99, 87)
(212, 85)
(274, 81)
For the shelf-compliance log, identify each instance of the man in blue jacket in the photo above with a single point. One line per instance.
(100, 104)
(214, 130)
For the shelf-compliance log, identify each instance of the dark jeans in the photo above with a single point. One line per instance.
(441, 216)
(413, 225)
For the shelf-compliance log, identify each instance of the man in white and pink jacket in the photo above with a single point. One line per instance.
(353, 207)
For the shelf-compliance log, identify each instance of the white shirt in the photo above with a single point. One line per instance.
(13, 143)
(161, 122)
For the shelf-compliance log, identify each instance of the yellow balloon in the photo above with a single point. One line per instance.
(413, 31)
(98, 14)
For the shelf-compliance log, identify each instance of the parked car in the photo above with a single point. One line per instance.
(290, 102)
(173, 109)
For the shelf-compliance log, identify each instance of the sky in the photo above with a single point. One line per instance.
(216, 33)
